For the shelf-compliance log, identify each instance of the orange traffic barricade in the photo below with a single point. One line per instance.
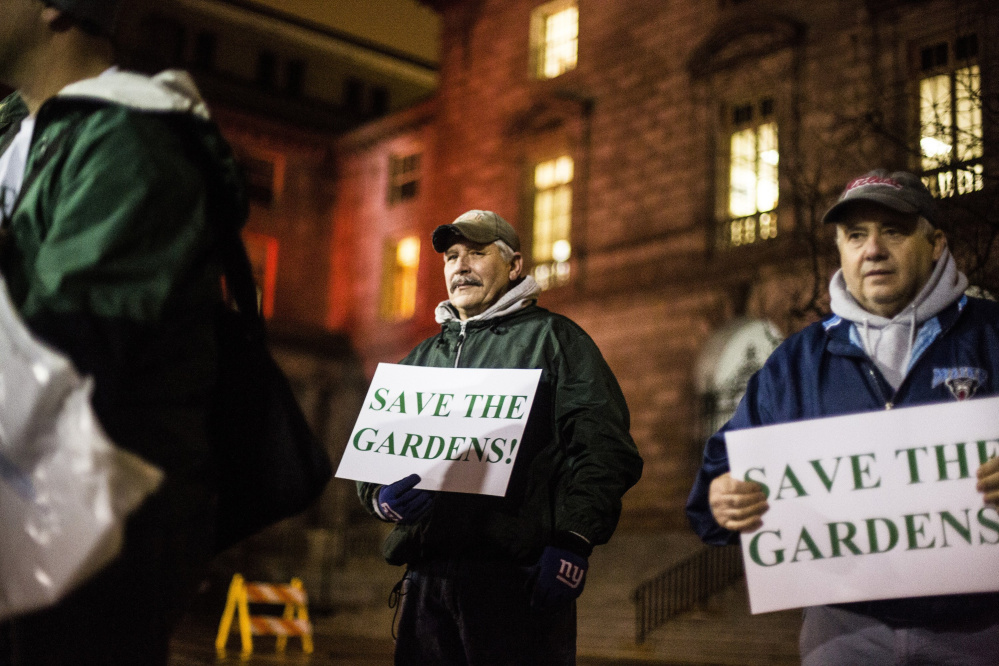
(294, 621)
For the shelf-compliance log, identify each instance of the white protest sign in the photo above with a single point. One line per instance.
(458, 428)
(871, 506)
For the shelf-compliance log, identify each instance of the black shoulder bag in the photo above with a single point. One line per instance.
(271, 465)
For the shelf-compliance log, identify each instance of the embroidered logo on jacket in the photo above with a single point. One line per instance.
(962, 382)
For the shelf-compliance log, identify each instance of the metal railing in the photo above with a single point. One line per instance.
(684, 585)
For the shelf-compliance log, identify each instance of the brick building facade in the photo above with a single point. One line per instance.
(666, 163)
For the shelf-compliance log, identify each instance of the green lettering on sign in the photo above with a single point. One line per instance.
(763, 474)
(790, 480)
(754, 549)
(963, 529)
(860, 471)
(366, 445)
(412, 441)
(379, 398)
(835, 538)
(453, 447)
(826, 480)
(961, 460)
(910, 457)
(872, 534)
(805, 539)
(988, 524)
(913, 531)
(434, 441)
(388, 444)
(399, 405)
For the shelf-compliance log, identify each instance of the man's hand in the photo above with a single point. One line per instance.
(401, 502)
(988, 481)
(738, 505)
(560, 576)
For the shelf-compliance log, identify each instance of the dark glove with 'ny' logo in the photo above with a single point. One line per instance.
(401, 502)
(560, 574)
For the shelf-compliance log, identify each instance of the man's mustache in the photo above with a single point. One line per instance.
(465, 280)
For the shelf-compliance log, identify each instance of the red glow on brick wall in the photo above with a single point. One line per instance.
(263, 253)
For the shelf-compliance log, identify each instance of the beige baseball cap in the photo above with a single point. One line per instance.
(478, 226)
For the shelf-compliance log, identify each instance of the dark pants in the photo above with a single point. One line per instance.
(477, 613)
(125, 614)
(831, 636)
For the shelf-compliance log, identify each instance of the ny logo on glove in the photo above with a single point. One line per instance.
(570, 574)
(558, 577)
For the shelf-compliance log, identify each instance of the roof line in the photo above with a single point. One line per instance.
(286, 17)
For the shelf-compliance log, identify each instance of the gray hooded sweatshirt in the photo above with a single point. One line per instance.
(520, 296)
(890, 343)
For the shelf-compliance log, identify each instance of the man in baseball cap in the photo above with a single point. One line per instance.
(498, 577)
(902, 333)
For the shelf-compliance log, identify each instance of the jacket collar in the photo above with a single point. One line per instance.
(494, 322)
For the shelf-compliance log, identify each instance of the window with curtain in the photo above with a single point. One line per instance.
(401, 261)
(551, 245)
(554, 38)
(753, 185)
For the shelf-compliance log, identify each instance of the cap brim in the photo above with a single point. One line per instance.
(836, 214)
(444, 237)
(447, 235)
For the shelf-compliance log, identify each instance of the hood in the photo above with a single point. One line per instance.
(890, 342)
(171, 91)
(521, 295)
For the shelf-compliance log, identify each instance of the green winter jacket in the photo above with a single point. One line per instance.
(110, 255)
(577, 458)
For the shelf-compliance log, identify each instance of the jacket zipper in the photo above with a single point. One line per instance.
(889, 404)
(461, 341)
(877, 387)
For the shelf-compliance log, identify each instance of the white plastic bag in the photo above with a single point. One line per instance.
(65, 488)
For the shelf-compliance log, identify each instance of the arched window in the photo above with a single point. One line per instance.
(729, 358)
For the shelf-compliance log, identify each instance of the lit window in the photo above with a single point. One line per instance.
(554, 38)
(401, 262)
(404, 177)
(950, 117)
(552, 221)
(752, 176)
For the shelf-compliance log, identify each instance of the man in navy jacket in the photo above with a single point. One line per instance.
(902, 333)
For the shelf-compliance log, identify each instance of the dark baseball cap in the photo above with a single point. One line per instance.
(478, 226)
(97, 16)
(900, 191)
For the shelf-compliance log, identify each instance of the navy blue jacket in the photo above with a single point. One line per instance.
(823, 371)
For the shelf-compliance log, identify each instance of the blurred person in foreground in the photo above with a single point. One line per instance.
(113, 185)
(901, 323)
(493, 580)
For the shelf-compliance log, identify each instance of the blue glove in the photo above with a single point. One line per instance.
(560, 577)
(401, 502)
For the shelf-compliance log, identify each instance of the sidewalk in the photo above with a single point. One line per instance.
(358, 632)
